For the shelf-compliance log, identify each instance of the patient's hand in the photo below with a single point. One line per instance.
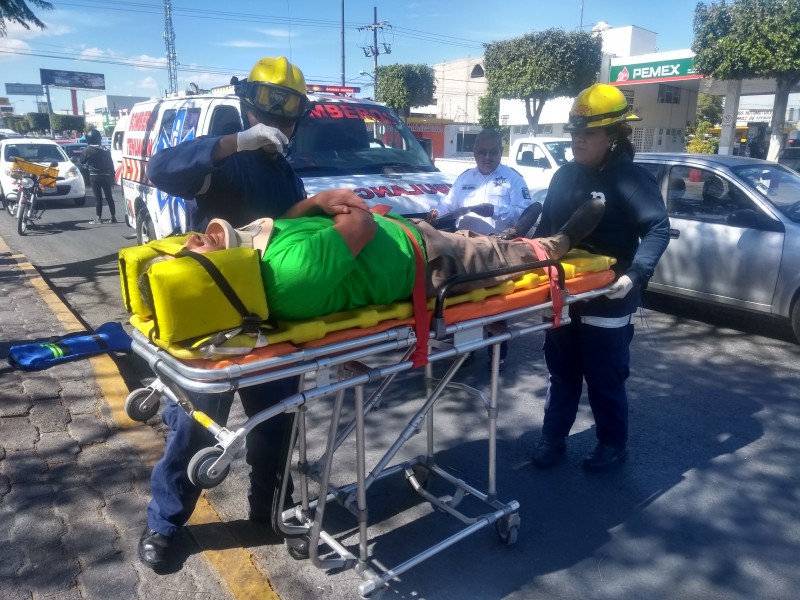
(356, 227)
(337, 202)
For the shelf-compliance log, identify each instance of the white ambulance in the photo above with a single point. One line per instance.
(344, 142)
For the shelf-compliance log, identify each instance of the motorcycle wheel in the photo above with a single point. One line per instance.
(22, 218)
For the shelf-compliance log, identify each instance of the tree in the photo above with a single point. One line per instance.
(404, 86)
(749, 39)
(38, 121)
(542, 65)
(709, 108)
(489, 111)
(703, 142)
(67, 123)
(17, 11)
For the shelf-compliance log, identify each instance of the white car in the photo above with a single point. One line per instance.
(70, 184)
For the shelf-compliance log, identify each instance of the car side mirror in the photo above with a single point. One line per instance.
(749, 218)
(542, 163)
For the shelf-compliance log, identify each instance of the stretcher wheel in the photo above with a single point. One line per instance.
(142, 404)
(297, 547)
(422, 474)
(199, 469)
(507, 530)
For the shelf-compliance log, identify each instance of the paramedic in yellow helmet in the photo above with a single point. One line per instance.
(237, 174)
(634, 229)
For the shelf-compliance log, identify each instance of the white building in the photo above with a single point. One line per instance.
(103, 111)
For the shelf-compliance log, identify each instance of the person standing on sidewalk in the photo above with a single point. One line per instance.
(634, 229)
(238, 177)
(101, 174)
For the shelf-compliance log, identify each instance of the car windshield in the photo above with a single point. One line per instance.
(561, 151)
(352, 139)
(776, 183)
(35, 153)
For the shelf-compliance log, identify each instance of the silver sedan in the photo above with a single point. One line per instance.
(735, 229)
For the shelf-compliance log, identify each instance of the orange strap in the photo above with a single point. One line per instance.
(555, 292)
(419, 298)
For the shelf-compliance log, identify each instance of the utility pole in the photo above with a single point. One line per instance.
(343, 43)
(169, 42)
(374, 50)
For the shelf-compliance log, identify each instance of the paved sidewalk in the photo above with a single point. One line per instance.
(74, 482)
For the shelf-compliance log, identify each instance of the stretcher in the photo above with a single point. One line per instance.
(365, 351)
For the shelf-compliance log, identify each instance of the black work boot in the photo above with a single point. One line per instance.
(583, 221)
(548, 451)
(525, 222)
(155, 549)
(605, 457)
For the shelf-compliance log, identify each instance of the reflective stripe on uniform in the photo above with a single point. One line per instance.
(607, 322)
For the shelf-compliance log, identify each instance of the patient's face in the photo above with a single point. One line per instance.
(205, 242)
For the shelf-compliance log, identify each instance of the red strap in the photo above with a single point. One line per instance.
(552, 274)
(419, 298)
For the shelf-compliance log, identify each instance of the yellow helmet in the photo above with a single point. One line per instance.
(275, 87)
(599, 105)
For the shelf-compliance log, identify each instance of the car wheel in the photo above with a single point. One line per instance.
(796, 320)
(80, 201)
(145, 232)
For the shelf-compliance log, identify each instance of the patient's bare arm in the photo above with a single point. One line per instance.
(327, 202)
(357, 228)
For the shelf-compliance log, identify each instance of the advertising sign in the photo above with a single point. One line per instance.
(73, 79)
(24, 89)
(666, 70)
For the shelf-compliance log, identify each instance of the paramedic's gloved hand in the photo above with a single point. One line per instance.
(484, 210)
(620, 288)
(261, 136)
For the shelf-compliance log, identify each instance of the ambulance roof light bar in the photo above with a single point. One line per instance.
(339, 90)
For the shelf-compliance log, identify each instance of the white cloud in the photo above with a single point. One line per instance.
(277, 32)
(244, 44)
(144, 85)
(11, 49)
(204, 81)
(151, 62)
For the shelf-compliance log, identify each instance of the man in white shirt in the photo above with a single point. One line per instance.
(489, 183)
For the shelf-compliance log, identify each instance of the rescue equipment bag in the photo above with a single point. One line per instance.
(198, 295)
(36, 356)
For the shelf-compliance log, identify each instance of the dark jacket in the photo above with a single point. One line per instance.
(98, 160)
(240, 189)
(634, 228)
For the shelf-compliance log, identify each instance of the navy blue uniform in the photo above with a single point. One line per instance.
(595, 346)
(239, 189)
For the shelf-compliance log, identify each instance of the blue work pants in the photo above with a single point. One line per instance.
(600, 356)
(173, 495)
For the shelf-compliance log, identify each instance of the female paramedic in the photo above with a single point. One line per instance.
(635, 230)
(238, 177)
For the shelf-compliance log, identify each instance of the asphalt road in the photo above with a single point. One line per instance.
(707, 507)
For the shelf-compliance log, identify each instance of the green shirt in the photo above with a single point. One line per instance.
(308, 270)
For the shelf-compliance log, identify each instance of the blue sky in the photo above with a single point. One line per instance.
(124, 40)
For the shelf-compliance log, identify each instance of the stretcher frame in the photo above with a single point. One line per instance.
(303, 526)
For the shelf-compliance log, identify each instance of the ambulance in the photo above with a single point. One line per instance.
(343, 142)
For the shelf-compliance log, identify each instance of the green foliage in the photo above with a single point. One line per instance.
(709, 108)
(38, 121)
(542, 65)
(18, 11)
(703, 142)
(489, 111)
(17, 123)
(404, 86)
(745, 39)
(67, 123)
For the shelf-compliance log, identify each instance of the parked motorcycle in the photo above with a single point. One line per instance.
(31, 180)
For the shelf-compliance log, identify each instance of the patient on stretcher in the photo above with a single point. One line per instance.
(318, 265)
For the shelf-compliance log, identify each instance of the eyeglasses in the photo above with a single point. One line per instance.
(487, 152)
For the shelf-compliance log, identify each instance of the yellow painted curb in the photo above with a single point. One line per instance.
(234, 565)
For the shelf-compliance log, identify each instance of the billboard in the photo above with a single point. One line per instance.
(73, 79)
(24, 89)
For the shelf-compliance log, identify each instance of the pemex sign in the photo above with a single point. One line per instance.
(678, 69)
